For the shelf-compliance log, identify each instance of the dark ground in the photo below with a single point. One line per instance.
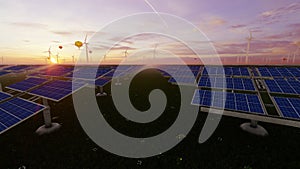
(229, 147)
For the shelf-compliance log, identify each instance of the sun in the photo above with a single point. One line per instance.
(53, 60)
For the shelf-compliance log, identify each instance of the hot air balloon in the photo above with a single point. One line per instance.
(60, 47)
(78, 44)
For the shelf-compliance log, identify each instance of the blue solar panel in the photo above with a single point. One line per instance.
(234, 101)
(4, 96)
(57, 89)
(289, 107)
(231, 83)
(283, 86)
(228, 71)
(15, 111)
(3, 73)
(27, 84)
(17, 68)
(279, 72)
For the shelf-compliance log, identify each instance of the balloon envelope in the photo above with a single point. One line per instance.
(78, 44)
(60, 47)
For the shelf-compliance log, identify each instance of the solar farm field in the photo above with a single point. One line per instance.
(228, 147)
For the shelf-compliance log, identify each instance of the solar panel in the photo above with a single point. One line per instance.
(228, 71)
(288, 107)
(17, 68)
(183, 80)
(27, 84)
(89, 72)
(15, 111)
(57, 90)
(99, 82)
(283, 86)
(3, 73)
(4, 96)
(279, 72)
(231, 83)
(234, 101)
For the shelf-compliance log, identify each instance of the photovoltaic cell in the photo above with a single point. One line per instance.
(227, 71)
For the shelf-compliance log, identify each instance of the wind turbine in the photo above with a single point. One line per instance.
(248, 46)
(86, 49)
(73, 59)
(57, 57)
(126, 53)
(49, 54)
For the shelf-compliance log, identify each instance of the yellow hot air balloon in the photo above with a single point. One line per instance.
(78, 44)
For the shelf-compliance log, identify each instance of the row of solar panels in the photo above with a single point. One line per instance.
(287, 107)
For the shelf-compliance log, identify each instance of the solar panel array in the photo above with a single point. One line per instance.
(283, 86)
(228, 71)
(3, 73)
(227, 83)
(233, 101)
(289, 107)
(27, 84)
(15, 111)
(57, 90)
(17, 68)
(279, 71)
(99, 82)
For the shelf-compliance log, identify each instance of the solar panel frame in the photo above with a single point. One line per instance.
(9, 117)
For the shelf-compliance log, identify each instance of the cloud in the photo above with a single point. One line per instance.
(29, 24)
(238, 26)
(217, 22)
(62, 33)
(274, 15)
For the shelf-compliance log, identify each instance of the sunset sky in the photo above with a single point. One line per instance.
(29, 27)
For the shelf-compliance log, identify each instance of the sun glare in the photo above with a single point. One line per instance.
(53, 60)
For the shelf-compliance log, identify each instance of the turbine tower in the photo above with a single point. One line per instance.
(248, 46)
(49, 54)
(298, 46)
(86, 49)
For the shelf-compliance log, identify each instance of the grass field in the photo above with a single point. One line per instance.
(228, 148)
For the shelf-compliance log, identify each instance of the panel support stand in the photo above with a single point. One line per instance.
(101, 93)
(48, 127)
(254, 128)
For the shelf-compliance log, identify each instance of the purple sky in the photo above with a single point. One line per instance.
(29, 27)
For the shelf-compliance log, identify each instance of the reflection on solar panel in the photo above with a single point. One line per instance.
(15, 111)
(17, 68)
(4, 96)
(57, 90)
(55, 71)
(231, 83)
(289, 107)
(283, 86)
(279, 71)
(234, 101)
(27, 84)
(228, 71)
